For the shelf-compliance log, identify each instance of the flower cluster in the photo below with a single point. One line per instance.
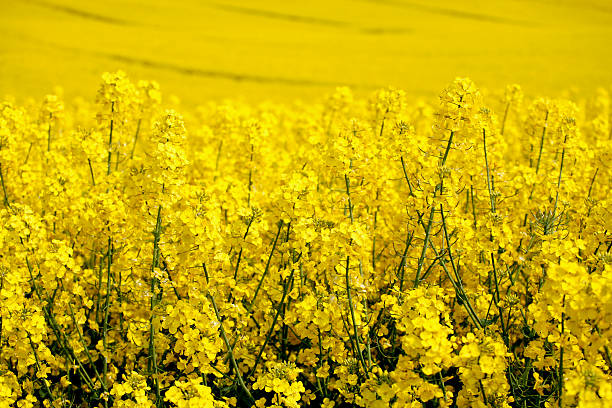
(354, 252)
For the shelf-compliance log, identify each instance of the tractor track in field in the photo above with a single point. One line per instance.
(296, 18)
(198, 72)
(83, 13)
(456, 13)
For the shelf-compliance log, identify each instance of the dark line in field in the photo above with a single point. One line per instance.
(233, 76)
(81, 13)
(309, 20)
(282, 16)
(581, 5)
(238, 77)
(383, 30)
(452, 12)
(208, 73)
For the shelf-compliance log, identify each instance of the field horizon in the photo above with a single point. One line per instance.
(284, 51)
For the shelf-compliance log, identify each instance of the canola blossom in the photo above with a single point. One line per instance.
(378, 252)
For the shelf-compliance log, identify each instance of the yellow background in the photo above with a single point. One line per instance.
(281, 50)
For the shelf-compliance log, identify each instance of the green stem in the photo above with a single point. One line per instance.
(286, 287)
(484, 143)
(559, 179)
(382, 125)
(6, 199)
(352, 309)
(320, 365)
(91, 172)
(348, 193)
(561, 356)
(98, 292)
(402, 266)
(109, 261)
(542, 142)
(448, 147)
(251, 219)
(135, 138)
(110, 139)
(592, 182)
(85, 348)
(503, 127)
(250, 177)
(43, 380)
(417, 277)
(457, 282)
(497, 301)
(473, 206)
(154, 264)
(218, 160)
(263, 276)
(49, 133)
(406, 176)
(28, 154)
(230, 350)
(374, 238)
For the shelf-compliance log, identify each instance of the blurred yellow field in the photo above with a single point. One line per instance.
(404, 236)
(284, 50)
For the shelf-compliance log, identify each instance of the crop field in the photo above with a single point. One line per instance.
(200, 50)
(305, 204)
